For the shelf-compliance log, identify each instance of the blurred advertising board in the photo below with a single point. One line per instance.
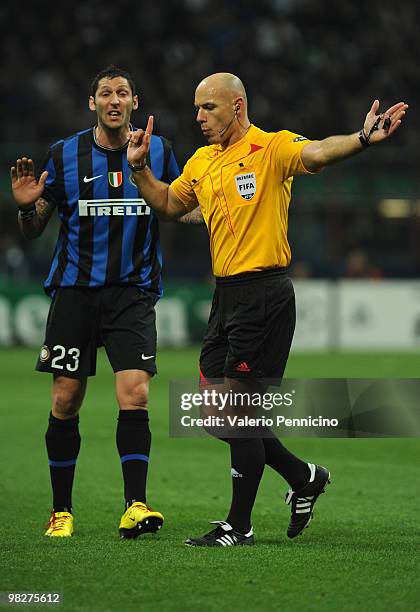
(343, 315)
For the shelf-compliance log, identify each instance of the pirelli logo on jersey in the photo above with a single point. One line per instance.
(118, 207)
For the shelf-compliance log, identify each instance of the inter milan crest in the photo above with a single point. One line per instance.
(115, 178)
(44, 355)
(246, 184)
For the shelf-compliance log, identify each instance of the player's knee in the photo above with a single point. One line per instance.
(134, 396)
(67, 398)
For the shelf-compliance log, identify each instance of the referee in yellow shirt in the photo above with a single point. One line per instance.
(242, 183)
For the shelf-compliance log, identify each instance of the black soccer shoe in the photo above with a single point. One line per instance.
(303, 501)
(223, 535)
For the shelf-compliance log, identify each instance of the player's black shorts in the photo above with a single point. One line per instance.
(251, 326)
(122, 319)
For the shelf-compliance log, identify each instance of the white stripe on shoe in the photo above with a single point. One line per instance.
(228, 540)
(312, 469)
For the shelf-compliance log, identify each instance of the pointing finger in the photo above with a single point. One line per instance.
(149, 127)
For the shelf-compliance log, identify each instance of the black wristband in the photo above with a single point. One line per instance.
(27, 213)
(138, 168)
(364, 139)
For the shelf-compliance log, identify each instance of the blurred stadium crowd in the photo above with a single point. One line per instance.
(311, 66)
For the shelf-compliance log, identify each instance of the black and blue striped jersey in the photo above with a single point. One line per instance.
(108, 234)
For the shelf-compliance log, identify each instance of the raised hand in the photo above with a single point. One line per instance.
(139, 145)
(26, 189)
(378, 127)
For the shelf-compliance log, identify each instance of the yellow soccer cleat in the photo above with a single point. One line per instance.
(139, 519)
(60, 525)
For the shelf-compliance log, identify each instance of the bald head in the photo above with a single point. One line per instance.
(221, 104)
(223, 84)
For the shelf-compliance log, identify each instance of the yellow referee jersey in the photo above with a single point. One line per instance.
(244, 193)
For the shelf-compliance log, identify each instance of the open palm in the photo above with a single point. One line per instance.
(26, 189)
(381, 126)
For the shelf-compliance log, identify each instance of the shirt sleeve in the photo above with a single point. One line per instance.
(287, 153)
(183, 188)
(52, 191)
(171, 169)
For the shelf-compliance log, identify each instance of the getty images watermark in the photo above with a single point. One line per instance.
(297, 407)
(229, 410)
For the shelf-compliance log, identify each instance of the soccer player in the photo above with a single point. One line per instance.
(104, 280)
(242, 182)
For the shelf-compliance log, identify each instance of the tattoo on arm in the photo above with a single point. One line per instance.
(195, 217)
(32, 227)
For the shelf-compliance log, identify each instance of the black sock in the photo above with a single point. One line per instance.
(63, 445)
(294, 470)
(133, 442)
(247, 460)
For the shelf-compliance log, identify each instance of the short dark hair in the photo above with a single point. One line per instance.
(110, 72)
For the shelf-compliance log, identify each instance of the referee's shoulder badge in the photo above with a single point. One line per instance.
(299, 138)
(115, 178)
(246, 184)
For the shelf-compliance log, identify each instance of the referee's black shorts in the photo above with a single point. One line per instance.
(251, 326)
(121, 318)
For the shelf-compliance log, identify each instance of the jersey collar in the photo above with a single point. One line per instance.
(102, 148)
(238, 143)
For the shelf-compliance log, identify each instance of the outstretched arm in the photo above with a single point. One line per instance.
(377, 127)
(34, 211)
(157, 194)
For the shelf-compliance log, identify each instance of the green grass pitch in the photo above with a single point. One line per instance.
(358, 554)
